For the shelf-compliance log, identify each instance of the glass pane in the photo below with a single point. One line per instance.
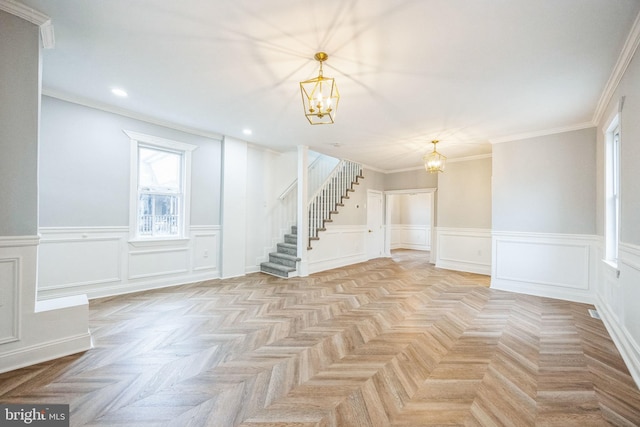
(159, 169)
(158, 215)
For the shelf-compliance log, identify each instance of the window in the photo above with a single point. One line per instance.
(160, 186)
(612, 185)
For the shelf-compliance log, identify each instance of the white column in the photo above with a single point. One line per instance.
(234, 208)
(303, 214)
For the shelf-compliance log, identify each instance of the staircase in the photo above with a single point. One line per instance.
(322, 205)
(326, 201)
(283, 262)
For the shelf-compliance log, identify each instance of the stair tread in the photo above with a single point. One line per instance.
(284, 256)
(288, 245)
(279, 267)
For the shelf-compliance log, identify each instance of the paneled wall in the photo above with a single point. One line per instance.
(100, 261)
(545, 264)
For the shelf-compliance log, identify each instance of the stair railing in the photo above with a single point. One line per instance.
(330, 195)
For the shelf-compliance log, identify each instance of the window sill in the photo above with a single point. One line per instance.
(158, 242)
(612, 266)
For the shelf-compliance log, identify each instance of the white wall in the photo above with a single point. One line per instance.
(268, 218)
(410, 220)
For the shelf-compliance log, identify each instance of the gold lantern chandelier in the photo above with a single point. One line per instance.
(320, 96)
(434, 162)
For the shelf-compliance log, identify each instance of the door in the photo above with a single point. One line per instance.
(375, 225)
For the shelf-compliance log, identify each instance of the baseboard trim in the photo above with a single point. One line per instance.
(44, 352)
(625, 345)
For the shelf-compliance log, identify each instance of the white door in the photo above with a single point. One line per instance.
(375, 229)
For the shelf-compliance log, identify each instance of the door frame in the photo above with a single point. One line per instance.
(387, 219)
(382, 224)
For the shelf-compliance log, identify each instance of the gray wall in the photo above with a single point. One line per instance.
(84, 167)
(20, 100)
(546, 184)
(629, 153)
(464, 194)
(407, 180)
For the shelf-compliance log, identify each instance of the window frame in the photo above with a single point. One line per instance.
(140, 140)
(612, 174)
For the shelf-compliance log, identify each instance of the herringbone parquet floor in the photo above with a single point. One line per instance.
(390, 342)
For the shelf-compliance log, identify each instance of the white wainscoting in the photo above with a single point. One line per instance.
(406, 236)
(101, 261)
(464, 249)
(617, 304)
(31, 332)
(338, 246)
(544, 264)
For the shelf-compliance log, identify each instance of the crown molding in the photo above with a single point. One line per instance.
(25, 12)
(535, 134)
(35, 17)
(626, 55)
(127, 113)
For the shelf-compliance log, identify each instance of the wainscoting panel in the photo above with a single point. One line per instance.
(464, 249)
(101, 261)
(405, 236)
(205, 253)
(617, 304)
(551, 265)
(338, 246)
(35, 331)
(9, 306)
(158, 262)
(95, 260)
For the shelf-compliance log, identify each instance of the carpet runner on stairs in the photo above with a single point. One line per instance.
(283, 262)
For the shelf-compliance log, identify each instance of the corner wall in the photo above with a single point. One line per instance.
(30, 331)
(543, 216)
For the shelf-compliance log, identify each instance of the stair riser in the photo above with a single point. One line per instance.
(281, 261)
(286, 250)
(274, 272)
(290, 238)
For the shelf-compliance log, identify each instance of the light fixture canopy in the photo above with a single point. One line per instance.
(320, 96)
(434, 162)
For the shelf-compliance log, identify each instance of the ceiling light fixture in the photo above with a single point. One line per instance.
(320, 96)
(119, 92)
(434, 161)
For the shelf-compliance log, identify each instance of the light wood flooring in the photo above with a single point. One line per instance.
(390, 342)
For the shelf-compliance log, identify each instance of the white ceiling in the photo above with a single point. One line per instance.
(466, 72)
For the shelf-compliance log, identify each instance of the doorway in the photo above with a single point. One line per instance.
(375, 225)
(410, 220)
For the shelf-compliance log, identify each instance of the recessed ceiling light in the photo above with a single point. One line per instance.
(247, 131)
(119, 92)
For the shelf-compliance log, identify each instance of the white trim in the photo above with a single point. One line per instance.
(574, 282)
(624, 59)
(159, 142)
(630, 255)
(461, 259)
(25, 12)
(137, 139)
(35, 17)
(17, 241)
(544, 132)
(31, 355)
(126, 113)
(15, 294)
(188, 261)
(623, 341)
